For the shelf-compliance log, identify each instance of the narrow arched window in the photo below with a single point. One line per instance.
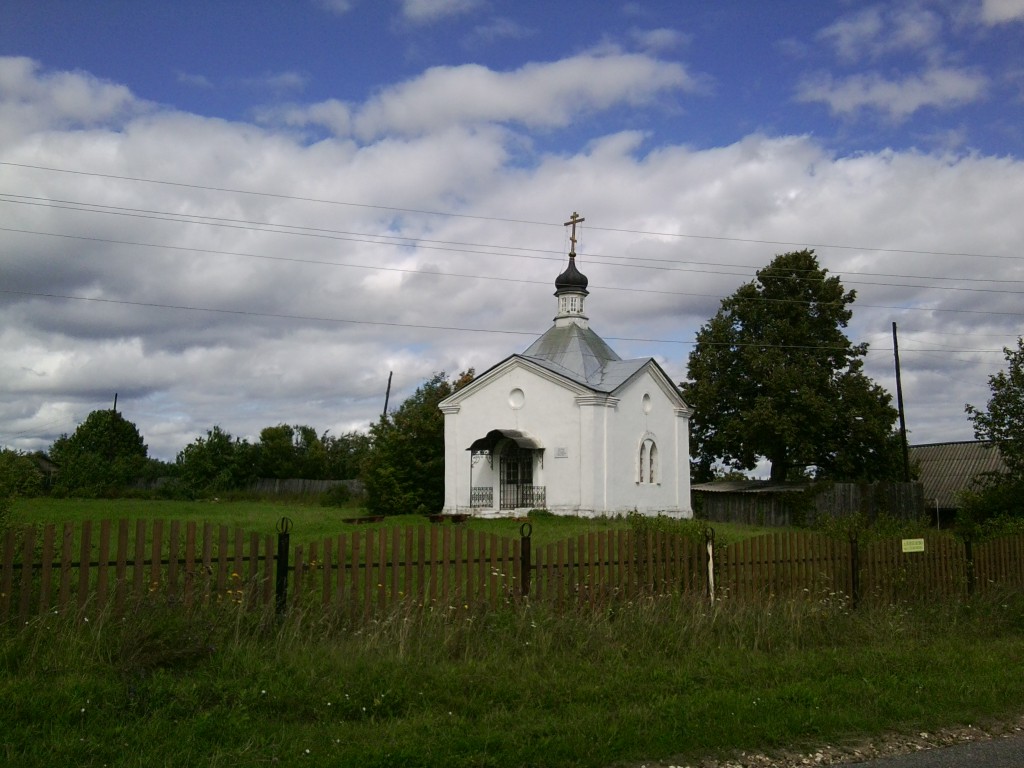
(648, 462)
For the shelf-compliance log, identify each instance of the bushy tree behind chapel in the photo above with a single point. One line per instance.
(773, 376)
(404, 471)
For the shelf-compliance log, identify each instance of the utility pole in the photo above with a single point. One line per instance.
(387, 396)
(899, 407)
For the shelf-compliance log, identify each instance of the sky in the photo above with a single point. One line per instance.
(244, 214)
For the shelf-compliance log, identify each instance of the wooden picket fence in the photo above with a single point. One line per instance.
(794, 562)
(95, 568)
(111, 567)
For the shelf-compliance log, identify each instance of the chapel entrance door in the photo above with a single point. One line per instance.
(516, 469)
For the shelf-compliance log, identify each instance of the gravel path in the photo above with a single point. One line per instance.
(855, 752)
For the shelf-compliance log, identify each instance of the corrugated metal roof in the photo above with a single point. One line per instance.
(946, 468)
(747, 486)
(581, 355)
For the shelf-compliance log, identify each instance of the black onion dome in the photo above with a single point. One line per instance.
(572, 279)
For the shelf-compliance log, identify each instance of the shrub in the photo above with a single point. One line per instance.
(338, 496)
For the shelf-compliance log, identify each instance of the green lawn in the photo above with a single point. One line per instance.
(311, 522)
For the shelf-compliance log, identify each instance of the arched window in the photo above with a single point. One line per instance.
(648, 462)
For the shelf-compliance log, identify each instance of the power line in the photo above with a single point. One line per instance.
(254, 226)
(377, 267)
(424, 212)
(276, 195)
(251, 313)
(442, 245)
(417, 326)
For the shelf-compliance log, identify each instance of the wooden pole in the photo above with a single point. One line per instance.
(899, 406)
(387, 396)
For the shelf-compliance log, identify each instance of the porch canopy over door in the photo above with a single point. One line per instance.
(516, 468)
(487, 443)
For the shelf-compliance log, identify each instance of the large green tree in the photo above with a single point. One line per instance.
(773, 376)
(217, 462)
(404, 469)
(103, 455)
(1002, 421)
(345, 454)
(287, 451)
(994, 497)
(277, 454)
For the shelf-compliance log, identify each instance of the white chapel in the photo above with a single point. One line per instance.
(568, 426)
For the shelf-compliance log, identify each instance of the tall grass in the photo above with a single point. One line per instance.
(649, 679)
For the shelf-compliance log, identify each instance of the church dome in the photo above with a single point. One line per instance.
(571, 279)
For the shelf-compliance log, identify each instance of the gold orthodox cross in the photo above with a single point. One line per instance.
(573, 220)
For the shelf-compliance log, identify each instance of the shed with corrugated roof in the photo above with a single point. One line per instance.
(945, 469)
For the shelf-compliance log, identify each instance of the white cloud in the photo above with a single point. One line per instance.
(427, 11)
(547, 95)
(1002, 11)
(339, 7)
(656, 40)
(277, 350)
(332, 114)
(851, 34)
(940, 88)
(538, 95)
(878, 31)
(278, 81)
(197, 81)
(31, 99)
(499, 29)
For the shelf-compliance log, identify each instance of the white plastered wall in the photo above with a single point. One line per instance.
(547, 413)
(591, 442)
(661, 419)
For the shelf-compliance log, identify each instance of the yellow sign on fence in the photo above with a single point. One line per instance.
(913, 545)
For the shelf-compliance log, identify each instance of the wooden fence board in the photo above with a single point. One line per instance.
(85, 555)
(28, 550)
(7, 573)
(173, 553)
(139, 563)
(190, 565)
(46, 572)
(156, 553)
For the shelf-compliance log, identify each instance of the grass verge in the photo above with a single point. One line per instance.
(648, 680)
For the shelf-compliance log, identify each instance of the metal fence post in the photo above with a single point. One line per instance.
(525, 565)
(284, 528)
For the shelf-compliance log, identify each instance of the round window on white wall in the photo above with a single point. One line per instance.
(646, 403)
(516, 399)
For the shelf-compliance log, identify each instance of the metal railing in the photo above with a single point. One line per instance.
(481, 496)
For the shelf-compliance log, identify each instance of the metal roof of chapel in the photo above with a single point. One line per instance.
(579, 354)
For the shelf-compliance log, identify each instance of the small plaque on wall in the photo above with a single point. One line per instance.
(561, 453)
